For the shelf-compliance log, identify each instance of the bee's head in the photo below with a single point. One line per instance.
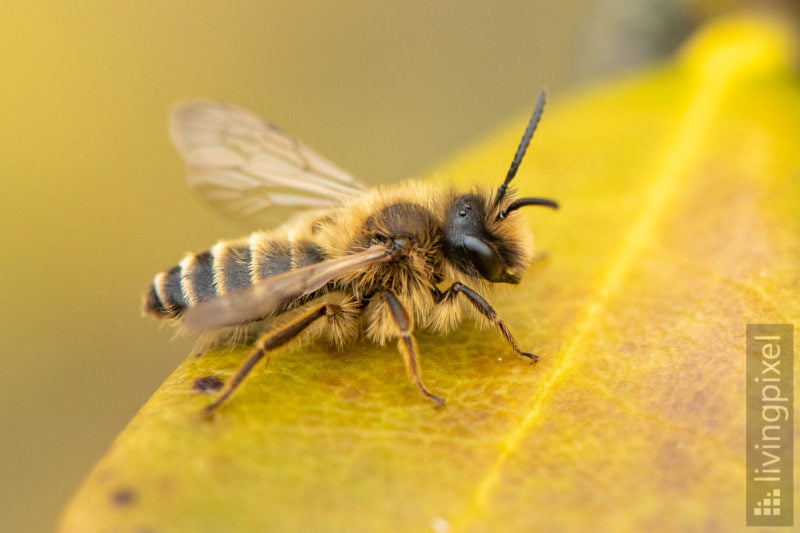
(480, 238)
(483, 241)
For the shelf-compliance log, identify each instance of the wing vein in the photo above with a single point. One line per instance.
(252, 172)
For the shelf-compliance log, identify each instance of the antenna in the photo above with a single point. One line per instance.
(522, 202)
(523, 146)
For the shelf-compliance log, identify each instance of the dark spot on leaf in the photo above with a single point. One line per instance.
(207, 384)
(351, 393)
(627, 347)
(123, 497)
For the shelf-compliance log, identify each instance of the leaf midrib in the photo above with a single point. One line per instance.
(668, 172)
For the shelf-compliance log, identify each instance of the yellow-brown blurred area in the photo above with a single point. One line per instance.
(95, 201)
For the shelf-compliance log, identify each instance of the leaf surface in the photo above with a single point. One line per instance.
(680, 224)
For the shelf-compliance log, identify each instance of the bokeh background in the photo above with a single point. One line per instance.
(95, 200)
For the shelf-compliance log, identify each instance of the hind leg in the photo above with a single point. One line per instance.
(270, 341)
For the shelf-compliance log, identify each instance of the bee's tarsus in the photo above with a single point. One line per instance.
(234, 383)
(208, 413)
(440, 402)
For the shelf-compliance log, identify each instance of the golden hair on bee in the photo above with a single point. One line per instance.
(350, 261)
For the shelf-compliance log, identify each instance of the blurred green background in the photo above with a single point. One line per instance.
(96, 203)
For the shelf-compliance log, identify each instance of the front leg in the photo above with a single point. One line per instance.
(484, 308)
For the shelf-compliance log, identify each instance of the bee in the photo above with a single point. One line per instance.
(342, 260)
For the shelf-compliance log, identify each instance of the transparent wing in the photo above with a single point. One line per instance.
(250, 171)
(271, 294)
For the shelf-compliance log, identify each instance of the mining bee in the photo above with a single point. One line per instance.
(359, 261)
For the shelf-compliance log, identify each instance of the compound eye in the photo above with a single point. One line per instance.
(484, 258)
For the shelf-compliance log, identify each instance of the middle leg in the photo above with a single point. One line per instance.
(406, 344)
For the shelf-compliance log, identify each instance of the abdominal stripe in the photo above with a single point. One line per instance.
(232, 265)
(223, 269)
(166, 297)
(197, 279)
(276, 257)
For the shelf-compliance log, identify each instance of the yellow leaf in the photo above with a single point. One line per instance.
(681, 215)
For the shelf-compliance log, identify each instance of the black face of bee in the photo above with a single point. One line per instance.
(472, 248)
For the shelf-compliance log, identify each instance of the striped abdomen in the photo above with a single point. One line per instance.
(224, 268)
